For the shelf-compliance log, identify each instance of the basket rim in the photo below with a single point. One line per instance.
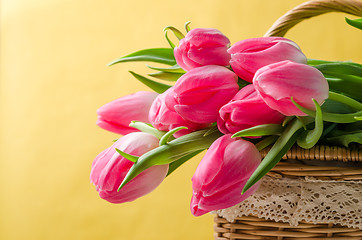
(323, 153)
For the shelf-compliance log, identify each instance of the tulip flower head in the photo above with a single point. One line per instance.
(246, 109)
(199, 94)
(165, 119)
(222, 174)
(118, 114)
(109, 169)
(202, 46)
(278, 82)
(248, 55)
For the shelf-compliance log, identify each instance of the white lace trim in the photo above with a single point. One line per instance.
(310, 200)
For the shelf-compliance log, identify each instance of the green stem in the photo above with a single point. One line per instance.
(266, 142)
(173, 151)
(280, 147)
(174, 165)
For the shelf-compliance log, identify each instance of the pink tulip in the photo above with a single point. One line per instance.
(222, 174)
(249, 55)
(199, 94)
(118, 114)
(164, 119)
(246, 109)
(278, 82)
(109, 169)
(202, 46)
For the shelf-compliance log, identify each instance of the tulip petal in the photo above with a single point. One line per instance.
(222, 173)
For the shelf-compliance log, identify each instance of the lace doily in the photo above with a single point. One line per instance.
(310, 200)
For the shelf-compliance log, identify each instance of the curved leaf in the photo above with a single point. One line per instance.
(147, 128)
(172, 45)
(173, 151)
(174, 165)
(346, 139)
(331, 117)
(266, 142)
(173, 69)
(279, 149)
(260, 130)
(338, 69)
(158, 55)
(187, 27)
(155, 86)
(310, 137)
(175, 31)
(345, 86)
(357, 23)
(130, 157)
(167, 136)
(168, 76)
(345, 100)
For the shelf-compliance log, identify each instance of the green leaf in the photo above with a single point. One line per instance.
(172, 45)
(332, 106)
(345, 100)
(266, 142)
(309, 138)
(331, 117)
(343, 77)
(130, 157)
(287, 120)
(279, 149)
(187, 27)
(165, 138)
(357, 23)
(302, 120)
(166, 76)
(147, 128)
(211, 130)
(260, 130)
(155, 86)
(173, 151)
(174, 165)
(340, 69)
(158, 55)
(327, 128)
(173, 69)
(346, 139)
(313, 62)
(177, 32)
(346, 87)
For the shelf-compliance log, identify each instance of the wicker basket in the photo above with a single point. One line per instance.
(343, 164)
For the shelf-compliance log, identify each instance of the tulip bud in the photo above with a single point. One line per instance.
(202, 46)
(246, 109)
(165, 119)
(278, 82)
(248, 55)
(109, 169)
(118, 114)
(199, 94)
(222, 174)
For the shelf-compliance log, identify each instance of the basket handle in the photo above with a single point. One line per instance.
(311, 9)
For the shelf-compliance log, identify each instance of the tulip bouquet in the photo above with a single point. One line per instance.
(233, 100)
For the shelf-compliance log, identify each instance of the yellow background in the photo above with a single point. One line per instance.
(54, 77)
